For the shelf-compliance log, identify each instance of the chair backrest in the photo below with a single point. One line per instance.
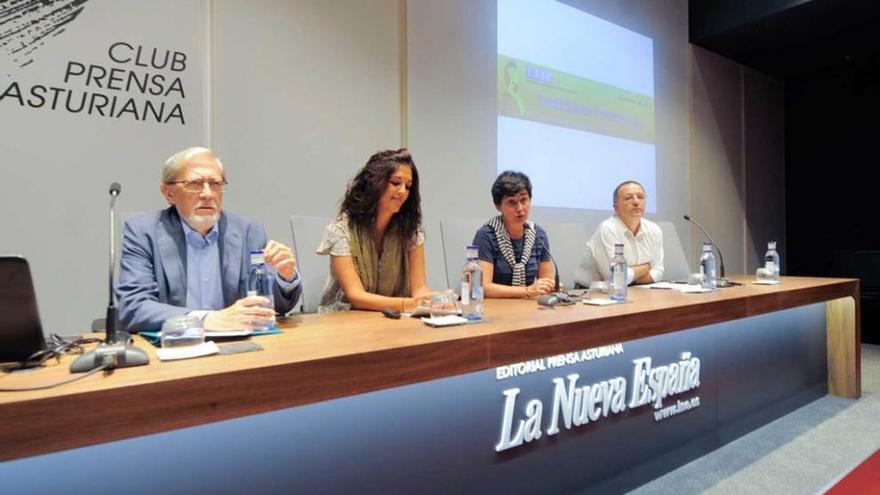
(457, 234)
(585, 270)
(313, 268)
(675, 264)
(99, 324)
(567, 241)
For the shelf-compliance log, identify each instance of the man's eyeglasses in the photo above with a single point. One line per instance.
(197, 186)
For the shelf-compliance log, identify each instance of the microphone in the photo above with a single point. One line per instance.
(556, 297)
(112, 318)
(115, 351)
(555, 266)
(721, 282)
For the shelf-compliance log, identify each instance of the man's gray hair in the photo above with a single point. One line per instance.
(617, 189)
(176, 161)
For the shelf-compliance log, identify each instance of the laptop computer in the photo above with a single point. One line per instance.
(21, 333)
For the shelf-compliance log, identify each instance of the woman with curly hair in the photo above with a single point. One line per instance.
(376, 242)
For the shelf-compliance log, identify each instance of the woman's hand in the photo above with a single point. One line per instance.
(540, 287)
(410, 304)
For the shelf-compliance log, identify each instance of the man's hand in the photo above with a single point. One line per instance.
(281, 258)
(642, 274)
(248, 313)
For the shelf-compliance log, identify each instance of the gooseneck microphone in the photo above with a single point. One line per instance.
(112, 317)
(555, 266)
(115, 351)
(556, 297)
(722, 282)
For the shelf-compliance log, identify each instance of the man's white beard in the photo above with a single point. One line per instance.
(202, 222)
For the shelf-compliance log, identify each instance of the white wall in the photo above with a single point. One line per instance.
(452, 108)
(764, 131)
(304, 93)
(296, 94)
(717, 173)
(57, 165)
(738, 160)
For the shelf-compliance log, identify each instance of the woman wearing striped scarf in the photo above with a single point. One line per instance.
(514, 252)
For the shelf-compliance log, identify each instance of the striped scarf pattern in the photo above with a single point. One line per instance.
(506, 246)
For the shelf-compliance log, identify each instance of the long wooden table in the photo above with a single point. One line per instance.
(322, 357)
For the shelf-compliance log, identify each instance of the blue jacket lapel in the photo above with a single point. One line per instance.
(172, 247)
(230, 242)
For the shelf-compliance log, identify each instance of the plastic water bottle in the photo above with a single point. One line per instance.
(617, 291)
(707, 267)
(260, 281)
(771, 260)
(472, 287)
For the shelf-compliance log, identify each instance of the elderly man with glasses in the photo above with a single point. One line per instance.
(194, 258)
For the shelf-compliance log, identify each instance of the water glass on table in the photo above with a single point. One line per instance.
(444, 303)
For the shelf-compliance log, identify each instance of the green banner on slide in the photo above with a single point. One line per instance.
(541, 94)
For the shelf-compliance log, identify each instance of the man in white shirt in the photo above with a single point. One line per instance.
(642, 241)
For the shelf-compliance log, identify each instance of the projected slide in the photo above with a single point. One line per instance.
(575, 103)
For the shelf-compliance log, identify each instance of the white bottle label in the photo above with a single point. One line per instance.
(770, 266)
(465, 294)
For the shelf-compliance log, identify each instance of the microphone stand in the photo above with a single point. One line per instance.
(555, 267)
(115, 351)
(556, 297)
(721, 282)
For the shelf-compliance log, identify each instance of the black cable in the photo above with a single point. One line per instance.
(62, 382)
(56, 346)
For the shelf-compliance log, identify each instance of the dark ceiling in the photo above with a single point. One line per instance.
(790, 38)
